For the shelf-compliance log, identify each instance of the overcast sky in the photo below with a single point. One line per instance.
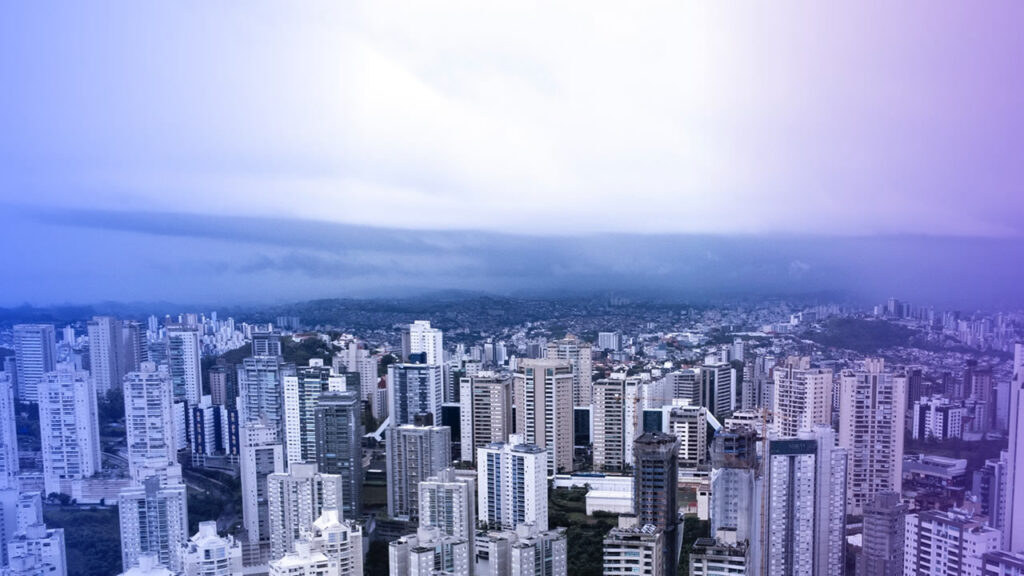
(819, 118)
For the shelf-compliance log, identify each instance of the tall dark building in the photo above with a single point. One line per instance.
(882, 553)
(339, 434)
(915, 386)
(656, 476)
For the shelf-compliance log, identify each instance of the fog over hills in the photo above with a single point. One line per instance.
(84, 256)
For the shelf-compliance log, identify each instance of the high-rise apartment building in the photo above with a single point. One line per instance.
(106, 351)
(414, 453)
(9, 466)
(448, 503)
(736, 486)
(333, 548)
(690, 425)
(871, 422)
(805, 530)
(296, 500)
(609, 436)
(420, 338)
(266, 342)
(154, 520)
(686, 385)
(415, 393)
(655, 482)
(578, 354)
(35, 354)
(339, 445)
(512, 485)
(544, 409)
(183, 361)
(539, 553)
(208, 554)
(149, 421)
(938, 542)
(937, 418)
(884, 527)
(1013, 527)
(262, 454)
(486, 411)
(635, 550)
(69, 427)
(261, 391)
(301, 394)
(34, 544)
(803, 396)
(718, 389)
(429, 551)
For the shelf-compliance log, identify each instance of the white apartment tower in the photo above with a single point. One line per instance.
(448, 503)
(414, 453)
(35, 354)
(262, 454)
(105, 351)
(544, 409)
(803, 396)
(512, 485)
(183, 360)
(946, 543)
(635, 550)
(871, 422)
(296, 500)
(301, 393)
(69, 427)
(154, 520)
(333, 548)
(149, 421)
(207, 554)
(485, 411)
(420, 338)
(578, 354)
(805, 528)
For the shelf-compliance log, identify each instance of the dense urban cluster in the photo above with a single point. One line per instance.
(496, 438)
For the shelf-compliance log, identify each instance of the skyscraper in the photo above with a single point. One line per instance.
(578, 354)
(415, 391)
(183, 360)
(803, 396)
(301, 394)
(261, 391)
(1013, 530)
(9, 465)
(486, 411)
(35, 354)
(414, 453)
(149, 421)
(106, 348)
(420, 338)
(735, 485)
(805, 530)
(690, 425)
(871, 420)
(512, 484)
(296, 500)
(429, 551)
(448, 503)
(339, 448)
(69, 428)
(154, 520)
(655, 481)
(609, 440)
(882, 549)
(539, 553)
(718, 389)
(262, 454)
(543, 397)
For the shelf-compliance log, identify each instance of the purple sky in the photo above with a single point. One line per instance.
(850, 119)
